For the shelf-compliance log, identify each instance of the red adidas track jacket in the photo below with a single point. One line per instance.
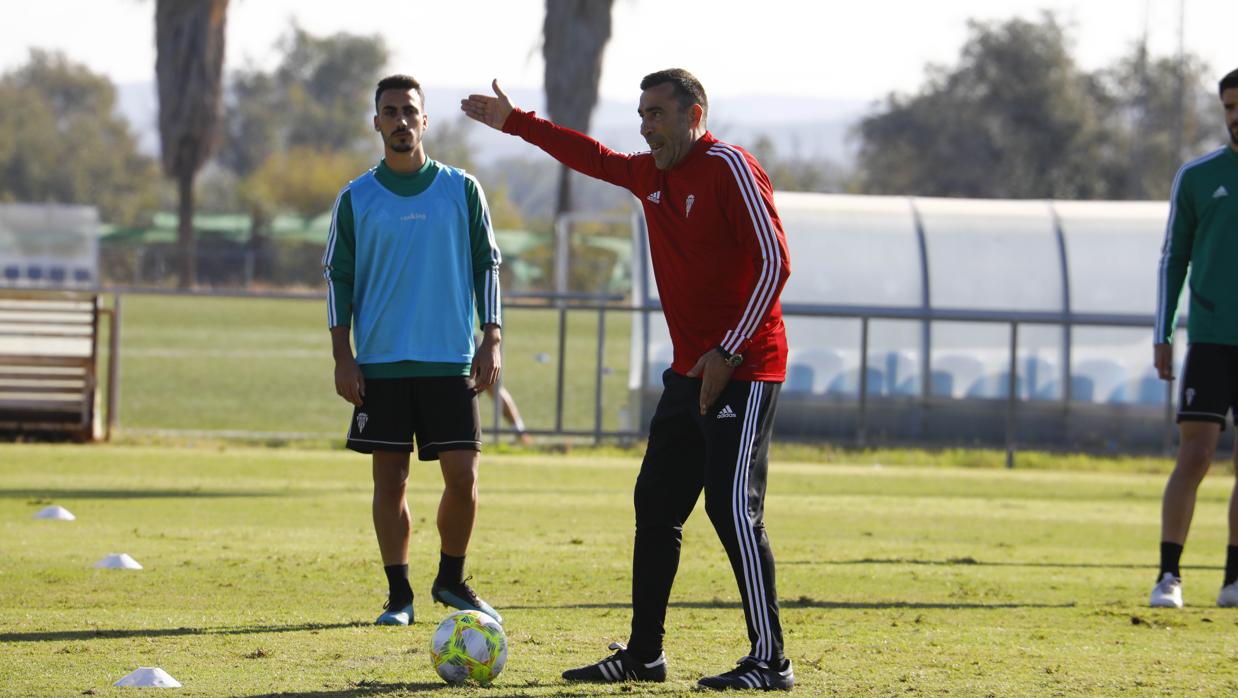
(719, 252)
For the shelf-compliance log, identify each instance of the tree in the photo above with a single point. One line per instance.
(1166, 111)
(253, 126)
(61, 141)
(574, 34)
(302, 180)
(448, 142)
(189, 43)
(797, 173)
(1017, 118)
(328, 84)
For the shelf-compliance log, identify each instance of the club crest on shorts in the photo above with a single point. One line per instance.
(688, 205)
(1190, 395)
(362, 418)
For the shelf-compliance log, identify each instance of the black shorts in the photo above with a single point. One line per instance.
(1209, 383)
(440, 412)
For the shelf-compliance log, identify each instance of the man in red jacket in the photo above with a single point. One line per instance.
(720, 261)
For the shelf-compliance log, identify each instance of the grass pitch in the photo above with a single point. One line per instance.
(262, 578)
(194, 364)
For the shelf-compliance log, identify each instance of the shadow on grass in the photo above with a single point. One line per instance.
(65, 494)
(364, 688)
(805, 602)
(970, 561)
(527, 690)
(109, 634)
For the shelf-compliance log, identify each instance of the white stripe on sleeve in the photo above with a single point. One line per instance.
(771, 254)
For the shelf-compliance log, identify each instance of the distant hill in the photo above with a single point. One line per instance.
(809, 127)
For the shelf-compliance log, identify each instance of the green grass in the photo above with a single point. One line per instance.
(262, 577)
(982, 458)
(237, 364)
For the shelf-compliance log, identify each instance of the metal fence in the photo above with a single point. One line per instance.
(851, 420)
(1012, 406)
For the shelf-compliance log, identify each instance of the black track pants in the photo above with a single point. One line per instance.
(724, 452)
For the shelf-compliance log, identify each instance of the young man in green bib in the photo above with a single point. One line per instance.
(410, 260)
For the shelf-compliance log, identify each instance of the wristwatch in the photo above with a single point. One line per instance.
(731, 360)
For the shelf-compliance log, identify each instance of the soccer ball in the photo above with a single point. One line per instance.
(468, 645)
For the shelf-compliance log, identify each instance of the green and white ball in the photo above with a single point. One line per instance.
(468, 646)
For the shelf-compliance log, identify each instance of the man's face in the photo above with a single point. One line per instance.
(1229, 100)
(400, 120)
(665, 125)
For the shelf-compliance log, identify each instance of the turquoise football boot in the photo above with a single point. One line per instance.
(461, 596)
(396, 616)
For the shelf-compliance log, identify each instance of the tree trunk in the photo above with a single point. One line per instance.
(574, 36)
(259, 244)
(189, 53)
(184, 231)
(564, 200)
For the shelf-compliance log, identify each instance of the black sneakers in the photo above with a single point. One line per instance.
(749, 674)
(619, 667)
(752, 673)
(461, 596)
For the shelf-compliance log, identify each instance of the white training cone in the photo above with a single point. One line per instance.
(118, 561)
(149, 677)
(55, 512)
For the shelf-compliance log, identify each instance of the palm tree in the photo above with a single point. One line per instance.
(574, 36)
(189, 42)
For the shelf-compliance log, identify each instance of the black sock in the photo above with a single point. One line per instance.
(450, 569)
(398, 589)
(1171, 554)
(1231, 565)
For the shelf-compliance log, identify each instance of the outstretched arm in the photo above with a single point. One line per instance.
(574, 149)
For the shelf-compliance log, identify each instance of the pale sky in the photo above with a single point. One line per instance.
(824, 49)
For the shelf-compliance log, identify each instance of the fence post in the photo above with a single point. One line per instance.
(1011, 392)
(862, 427)
(597, 385)
(113, 368)
(248, 268)
(562, 255)
(562, 362)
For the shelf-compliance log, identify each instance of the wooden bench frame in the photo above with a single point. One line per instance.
(54, 392)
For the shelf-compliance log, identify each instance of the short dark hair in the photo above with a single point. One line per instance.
(688, 90)
(1228, 81)
(398, 82)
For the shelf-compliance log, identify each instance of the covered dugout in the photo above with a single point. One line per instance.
(901, 312)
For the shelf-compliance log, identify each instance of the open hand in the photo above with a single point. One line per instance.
(491, 111)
